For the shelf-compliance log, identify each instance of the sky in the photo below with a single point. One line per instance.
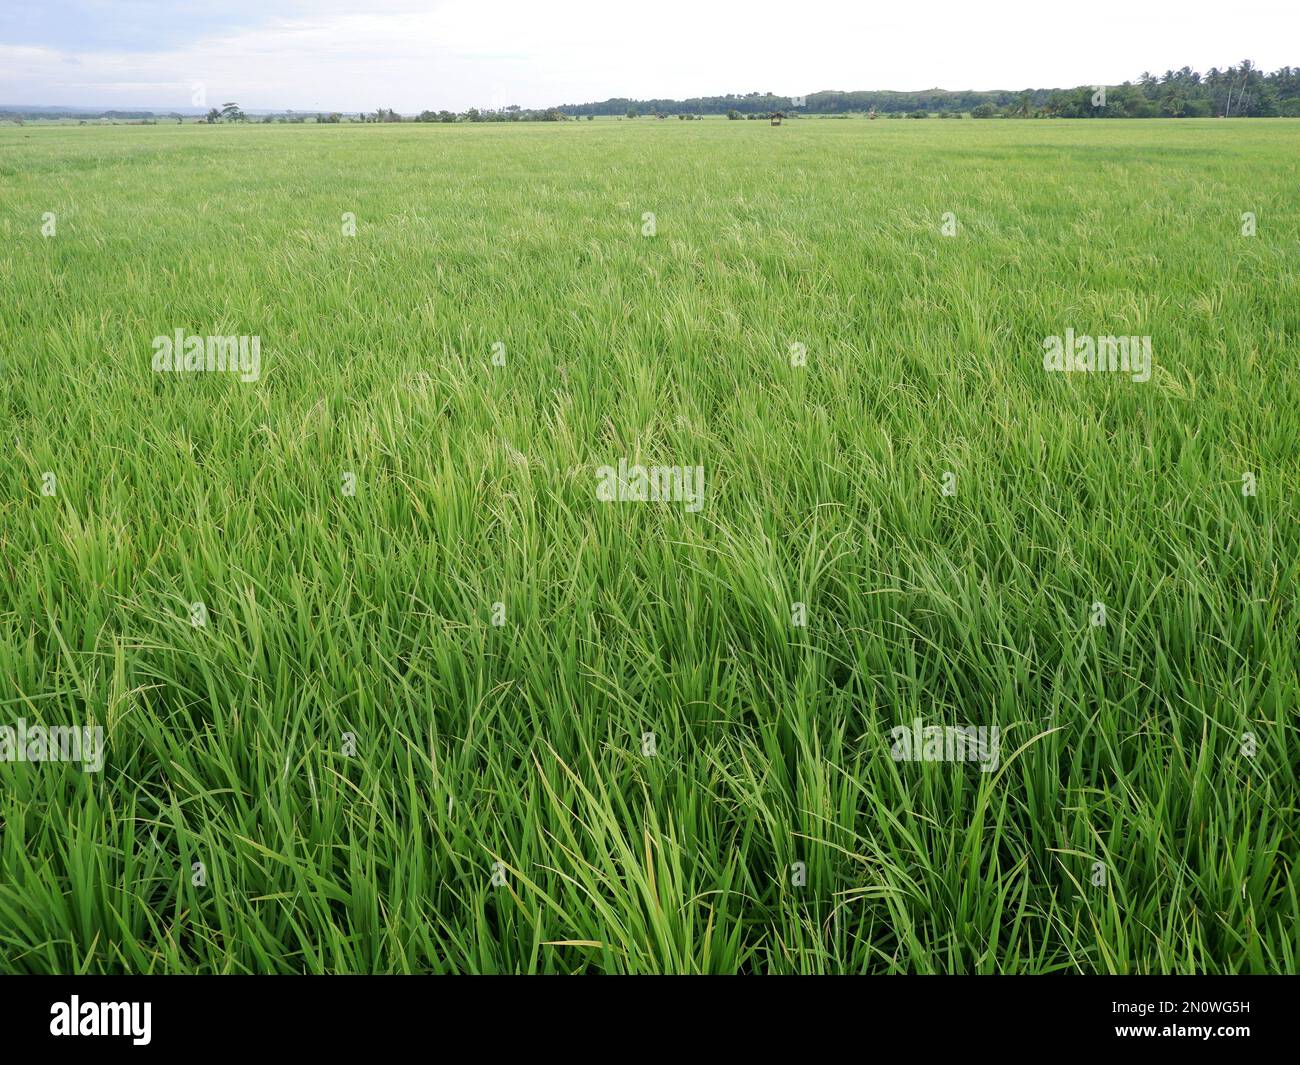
(454, 54)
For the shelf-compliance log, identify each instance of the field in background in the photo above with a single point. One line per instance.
(457, 713)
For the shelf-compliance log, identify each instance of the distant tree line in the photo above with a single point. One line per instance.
(512, 113)
(1241, 90)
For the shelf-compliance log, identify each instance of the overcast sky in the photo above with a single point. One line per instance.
(363, 54)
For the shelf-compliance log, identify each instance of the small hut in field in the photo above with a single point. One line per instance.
(776, 117)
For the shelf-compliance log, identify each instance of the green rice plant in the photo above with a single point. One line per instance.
(386, 686)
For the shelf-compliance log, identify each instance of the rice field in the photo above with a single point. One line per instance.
(650, 547)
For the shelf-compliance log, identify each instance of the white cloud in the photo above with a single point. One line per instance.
(458, 53)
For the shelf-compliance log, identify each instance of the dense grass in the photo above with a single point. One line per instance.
(371, 614)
